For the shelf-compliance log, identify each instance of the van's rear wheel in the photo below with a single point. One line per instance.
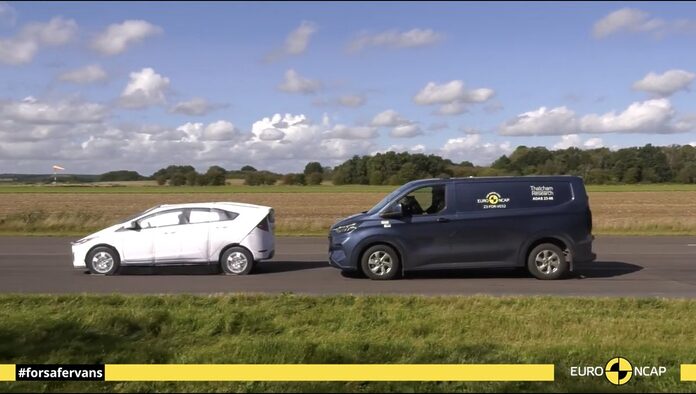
(547, 261)
(380, 262)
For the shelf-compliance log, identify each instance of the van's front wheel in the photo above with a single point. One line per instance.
(380, 262)
(547, 261)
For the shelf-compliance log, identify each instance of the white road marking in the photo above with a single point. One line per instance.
(690, 244)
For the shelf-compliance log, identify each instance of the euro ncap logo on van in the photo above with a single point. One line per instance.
(493, 200)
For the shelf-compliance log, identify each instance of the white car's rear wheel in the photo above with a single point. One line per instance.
(103, 260)
(236, 261)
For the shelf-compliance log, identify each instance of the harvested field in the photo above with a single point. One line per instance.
(645, 212)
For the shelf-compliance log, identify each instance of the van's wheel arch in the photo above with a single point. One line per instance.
(548, 261)
(381, 261)
(103, 260)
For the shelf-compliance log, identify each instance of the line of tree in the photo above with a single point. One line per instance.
(120, 176)
(186, 175)
(647, 164)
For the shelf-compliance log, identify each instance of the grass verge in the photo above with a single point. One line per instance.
(348, 329)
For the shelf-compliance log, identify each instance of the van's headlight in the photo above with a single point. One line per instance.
(346, 228)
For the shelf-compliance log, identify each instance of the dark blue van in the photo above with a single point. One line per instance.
(541, 222)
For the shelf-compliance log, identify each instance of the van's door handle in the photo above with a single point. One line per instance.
(442, 220)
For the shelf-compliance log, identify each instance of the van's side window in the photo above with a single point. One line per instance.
(427, 200)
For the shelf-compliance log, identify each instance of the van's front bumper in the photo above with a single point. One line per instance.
(338, 256)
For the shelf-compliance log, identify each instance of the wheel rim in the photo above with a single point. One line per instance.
(380, 263)
(547, 261)
(102, 262)
(237, 262)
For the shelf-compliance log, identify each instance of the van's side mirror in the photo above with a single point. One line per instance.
(394, 211)
(133, 225)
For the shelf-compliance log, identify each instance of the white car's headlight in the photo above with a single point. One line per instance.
(346, 228)
(83, 240)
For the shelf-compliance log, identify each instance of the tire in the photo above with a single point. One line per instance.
(380, 262)
(547, 262)
(236, 261)
(103, 260)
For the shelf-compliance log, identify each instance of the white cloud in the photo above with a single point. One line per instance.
(119, 36)
(145, 88)
(594, 143)
(693, 143)
(651, 116)
(296, 43)
(197, 106)
(400, 126)
(84, 75)
(543, 121)
(665, 84)
(575, 141)
(631, 20)
(22, 48)
(271, 135)
(471, 147)
(295, 83)
(452, 96)
(418, 148)
(33, 111)
(453, 108)
(568, 141)
(352, 100)
(395, 39)
(221, 130)
(8, 15)
(406, 131)
(351, 133)
(626, 20)
(389, 118)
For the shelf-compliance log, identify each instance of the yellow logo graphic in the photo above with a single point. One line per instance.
(493, 198)
(618, 371)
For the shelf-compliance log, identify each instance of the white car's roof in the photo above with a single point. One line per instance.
(221, 204)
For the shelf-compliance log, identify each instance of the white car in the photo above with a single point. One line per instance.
(233, 235)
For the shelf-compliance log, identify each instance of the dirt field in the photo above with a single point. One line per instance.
(643, 212)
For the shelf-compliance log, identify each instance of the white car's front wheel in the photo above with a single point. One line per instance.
(103, 260)
(236, 261)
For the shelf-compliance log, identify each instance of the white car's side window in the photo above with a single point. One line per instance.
(202, 216)
(169, 218)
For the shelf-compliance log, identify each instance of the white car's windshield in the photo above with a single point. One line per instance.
(132, 217)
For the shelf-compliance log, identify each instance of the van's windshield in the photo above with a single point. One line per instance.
(383, 203)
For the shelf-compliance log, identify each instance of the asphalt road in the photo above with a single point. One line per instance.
(626, 266)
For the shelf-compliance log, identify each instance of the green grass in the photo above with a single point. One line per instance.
(348, 329)
(290, 189)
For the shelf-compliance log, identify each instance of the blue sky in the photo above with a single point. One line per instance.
(127, 85)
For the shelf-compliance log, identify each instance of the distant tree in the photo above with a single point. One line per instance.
(215, 176)
(191, 178)
(178, 179)
(313, 167)
(121, 175)
(313, 178)
(248, 168)
(466, 163)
